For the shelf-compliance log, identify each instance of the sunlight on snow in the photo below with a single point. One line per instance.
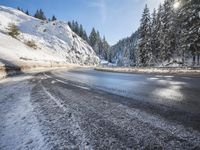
(176, 4)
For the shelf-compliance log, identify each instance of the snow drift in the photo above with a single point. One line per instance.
(55, 42)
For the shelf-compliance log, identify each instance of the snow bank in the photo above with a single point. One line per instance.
(156, 70)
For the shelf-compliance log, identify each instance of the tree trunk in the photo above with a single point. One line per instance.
(194, 59)
(183, 59)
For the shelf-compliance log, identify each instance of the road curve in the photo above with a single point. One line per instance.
(86, 109)
(180, 92)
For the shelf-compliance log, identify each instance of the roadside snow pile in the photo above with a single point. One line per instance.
(41, 41)
(156, 70)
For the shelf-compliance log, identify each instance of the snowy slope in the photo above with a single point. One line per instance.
(55, 41)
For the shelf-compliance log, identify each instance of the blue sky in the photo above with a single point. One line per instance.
(115, 19)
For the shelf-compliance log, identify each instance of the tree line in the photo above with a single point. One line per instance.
(98, 43)
(170, 34)
(39, 14)
(123, 53)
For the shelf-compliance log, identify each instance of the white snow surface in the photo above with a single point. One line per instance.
(55, 41)
(18, 123)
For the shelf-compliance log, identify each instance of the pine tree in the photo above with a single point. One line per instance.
(70, 24)
(93, 38)
(40, 15)
(97, 47)
(20, 9)
(154, 33)
(189, 18)
(73, 25)
(76, 28)
(27, 12)
(167, 31)
(106, 49)
(81, 31)
(100, 49)
(158, 34)
(53, 18)
(144, 47)
(95, 41)
(85, 37)
(37, 14)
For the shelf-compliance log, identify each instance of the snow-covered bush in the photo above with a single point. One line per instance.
(31, 43)
(13, 30)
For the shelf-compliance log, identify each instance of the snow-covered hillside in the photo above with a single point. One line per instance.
(54, 40)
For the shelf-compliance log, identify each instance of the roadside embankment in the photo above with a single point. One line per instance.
(7, 70)
(153, 70)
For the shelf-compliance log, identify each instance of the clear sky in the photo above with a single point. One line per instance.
(115, 19)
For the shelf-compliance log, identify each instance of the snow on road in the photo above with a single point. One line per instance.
(19, 128)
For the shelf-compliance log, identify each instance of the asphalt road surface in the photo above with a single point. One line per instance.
(87, 109)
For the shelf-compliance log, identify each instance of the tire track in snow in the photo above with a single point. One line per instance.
(82, 141)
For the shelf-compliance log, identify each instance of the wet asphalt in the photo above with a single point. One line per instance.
(88, 109)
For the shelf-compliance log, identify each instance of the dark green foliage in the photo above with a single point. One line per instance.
(40, 14)
(70, 24)
(189, 21)
(144, 47)
(85, 37)
(105, 49)
(76, 28)
(20, 9)
(81, 31)
(167, 30)
(174, 33)
(27, 12)
(93, 39)
(53, 18)
(100, 46)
